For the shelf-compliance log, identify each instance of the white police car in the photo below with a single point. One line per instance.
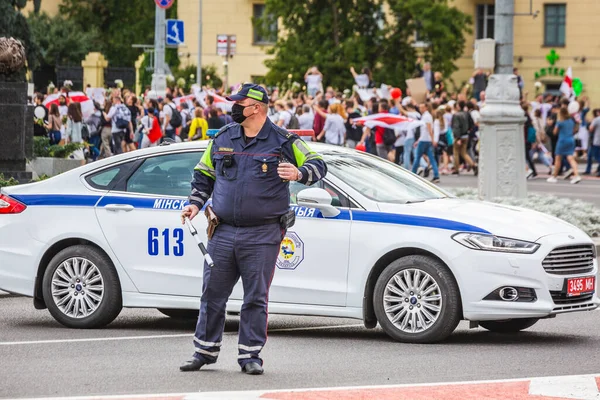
(372, 242)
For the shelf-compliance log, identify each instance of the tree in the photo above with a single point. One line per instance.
(121, 22)
(337, 34)
(59, 40)
(331, 34)
(440, 26)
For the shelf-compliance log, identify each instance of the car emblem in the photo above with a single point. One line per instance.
(571, 237)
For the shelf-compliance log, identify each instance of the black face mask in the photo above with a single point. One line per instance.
(237, 113)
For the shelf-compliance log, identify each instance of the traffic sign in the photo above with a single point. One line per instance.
(226, 45)
(175, 32)
(164, 3)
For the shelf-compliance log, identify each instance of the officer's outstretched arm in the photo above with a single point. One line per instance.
(204, 179)
(310, 164)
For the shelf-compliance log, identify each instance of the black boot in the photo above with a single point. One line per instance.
(253, 368)
(192, 365)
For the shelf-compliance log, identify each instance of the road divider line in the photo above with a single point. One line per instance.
(106, 339)
(181, 335)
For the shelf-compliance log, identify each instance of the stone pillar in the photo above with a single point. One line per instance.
(502, 151)
(16, 133)
(93, 69)
(138, 66)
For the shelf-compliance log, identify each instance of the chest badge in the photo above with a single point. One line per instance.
(264, 168)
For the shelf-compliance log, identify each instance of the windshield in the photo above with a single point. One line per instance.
(380, 180)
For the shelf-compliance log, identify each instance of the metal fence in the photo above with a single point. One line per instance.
(127, 75)
(69, 73)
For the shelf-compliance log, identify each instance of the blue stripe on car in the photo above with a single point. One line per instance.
(67, 200)
(163, 203)
(414, 220)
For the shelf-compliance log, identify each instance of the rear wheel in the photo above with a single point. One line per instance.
(509, 325)
(81, 288)
(417, 300)
(179, 314)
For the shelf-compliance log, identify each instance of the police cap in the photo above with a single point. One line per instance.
(251, 91)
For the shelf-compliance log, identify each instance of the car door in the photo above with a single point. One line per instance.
(312, 266)
(141, 221)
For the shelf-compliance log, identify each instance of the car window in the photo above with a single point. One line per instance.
(338, 198)
(108, 178)
(379, 179)
(168, 175)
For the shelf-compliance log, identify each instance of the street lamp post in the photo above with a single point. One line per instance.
(502, 150)
(199, 64)
(159, 79)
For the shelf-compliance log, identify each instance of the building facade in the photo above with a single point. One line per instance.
(221, 18)
(544, 47)
(559, 37)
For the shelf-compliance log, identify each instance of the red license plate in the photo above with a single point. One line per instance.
(579, 286)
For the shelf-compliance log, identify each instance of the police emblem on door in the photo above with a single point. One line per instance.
(291, 252)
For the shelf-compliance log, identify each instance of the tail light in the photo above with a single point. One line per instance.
(9, 205)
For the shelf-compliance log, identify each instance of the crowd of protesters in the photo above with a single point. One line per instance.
(557, 131)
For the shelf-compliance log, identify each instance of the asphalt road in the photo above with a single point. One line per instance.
(587, 190)
(141, 351)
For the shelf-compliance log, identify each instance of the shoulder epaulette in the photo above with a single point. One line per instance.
(284, 132)
(223, 129)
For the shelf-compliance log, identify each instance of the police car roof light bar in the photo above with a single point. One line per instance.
(201, 246)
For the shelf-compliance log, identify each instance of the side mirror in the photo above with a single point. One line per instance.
(317, 198)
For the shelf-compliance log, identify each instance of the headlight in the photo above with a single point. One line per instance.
(478, 241)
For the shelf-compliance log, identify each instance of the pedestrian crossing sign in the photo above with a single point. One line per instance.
(175, 33)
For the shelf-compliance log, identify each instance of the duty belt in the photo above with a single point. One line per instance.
(267, 221)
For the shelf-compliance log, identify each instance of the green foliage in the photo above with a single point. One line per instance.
(42, 148)
(332, 34)
(7, 182)
(42, 177)
(14, 24)
(189, 71)
(337, 34)
(122, 24)
(59, 39)
(439, 25)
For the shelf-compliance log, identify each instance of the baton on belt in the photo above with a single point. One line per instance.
(194, 233)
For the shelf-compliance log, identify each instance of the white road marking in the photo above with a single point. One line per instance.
(182, 335)
(566, 387)
(105, 339)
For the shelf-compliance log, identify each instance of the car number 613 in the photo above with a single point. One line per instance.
(172, 242)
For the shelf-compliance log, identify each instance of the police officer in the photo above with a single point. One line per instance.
(246, 168)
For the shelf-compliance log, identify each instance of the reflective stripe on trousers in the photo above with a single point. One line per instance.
(249, 253)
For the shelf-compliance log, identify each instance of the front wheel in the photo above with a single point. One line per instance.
(509, 325)
(81, 288)
(417, 300)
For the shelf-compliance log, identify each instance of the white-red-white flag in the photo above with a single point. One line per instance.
(387, 120)
(87, 105)
(566, 87)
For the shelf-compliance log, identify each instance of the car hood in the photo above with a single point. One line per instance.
(498, 219)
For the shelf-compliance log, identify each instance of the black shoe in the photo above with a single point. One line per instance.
(435, 180)
(455, 172)
(426, 173)
(475, 170)
(253, 368)
(192, 365)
